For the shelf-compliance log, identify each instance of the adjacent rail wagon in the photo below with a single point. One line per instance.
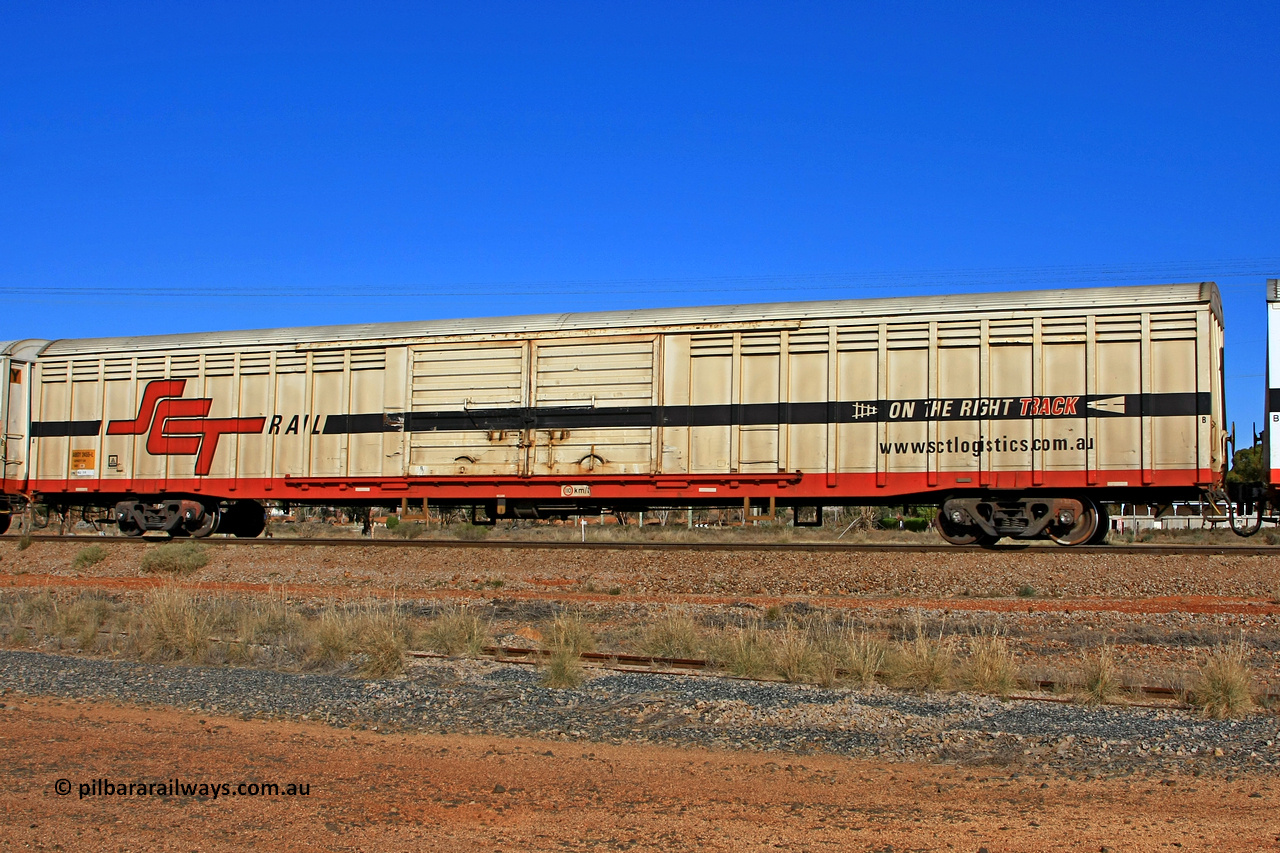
(1018, 414)
(1271, 428)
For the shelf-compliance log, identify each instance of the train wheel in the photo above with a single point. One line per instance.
(1081, 531)
(201, 526)
(1099, 536)
(957, 534)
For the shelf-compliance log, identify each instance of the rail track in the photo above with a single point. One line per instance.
(760, 547)
(1039, 689)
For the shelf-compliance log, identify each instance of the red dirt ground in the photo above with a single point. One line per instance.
(459, 793)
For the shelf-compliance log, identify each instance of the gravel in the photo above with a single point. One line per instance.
(483, 697)
(958, 573)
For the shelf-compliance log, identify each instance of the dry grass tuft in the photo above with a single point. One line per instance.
(1224, 686)
(173, 625)
(747, 652)
(923, 662)
(175, 558)
(83, 618)
(1100, 678)
(990, 667)
(569, 632)
(831, 645)
(864, 658)
(334, 638)
(795, 655)
(566, 638)
(675, 635)
(262, 622)
(457, 630)
(40, 607)
(383, 637)
(562, 670)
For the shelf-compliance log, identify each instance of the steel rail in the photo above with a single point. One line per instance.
(766, 547)
(701, 666)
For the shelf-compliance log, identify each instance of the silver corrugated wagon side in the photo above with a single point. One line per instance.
(1019, 413)
(16, 358)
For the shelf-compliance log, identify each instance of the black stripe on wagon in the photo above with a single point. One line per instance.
(56, 429)
(871, 411)
(1171, 405)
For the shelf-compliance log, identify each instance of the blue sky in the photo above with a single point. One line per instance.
(181, 167)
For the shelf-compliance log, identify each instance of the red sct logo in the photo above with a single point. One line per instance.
(177, 427)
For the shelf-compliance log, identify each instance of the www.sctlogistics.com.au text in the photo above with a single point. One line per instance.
(183, 788)
(975, 447)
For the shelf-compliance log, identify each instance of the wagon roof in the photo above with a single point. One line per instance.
(695, 317)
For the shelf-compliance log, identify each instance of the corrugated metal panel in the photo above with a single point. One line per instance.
(965, 333)
(222, 364)
(328, 361)
(456, 378)
(614, 373)
(119, 368)
(1120, 327)
(152, 367)
(255, 363)
(1064, 330)
(368, 359)
(1173, 326)
(54, 370)
(859, 339)
(690, 317)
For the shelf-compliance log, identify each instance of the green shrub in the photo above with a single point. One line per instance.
(409, 529)
(90, 556)
(175, 558)
(393, 521)
(912, 524)
(471, 532)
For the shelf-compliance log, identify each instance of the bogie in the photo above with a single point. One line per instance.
(984, 520)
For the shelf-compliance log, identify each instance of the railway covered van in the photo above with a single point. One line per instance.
(1018, 414)
(1271, 428)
